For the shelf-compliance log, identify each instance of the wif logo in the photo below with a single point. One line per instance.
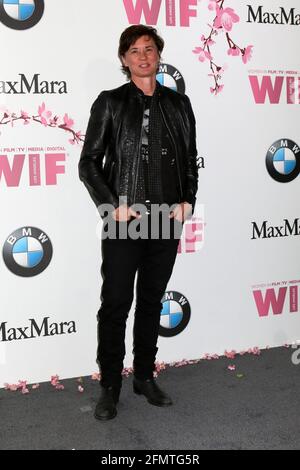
(31, 167)
(277, 298)
(280, 87)
(151, 10)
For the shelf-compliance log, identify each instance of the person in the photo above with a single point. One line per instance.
(139, 152)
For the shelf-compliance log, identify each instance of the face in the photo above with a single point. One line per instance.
(142, 58)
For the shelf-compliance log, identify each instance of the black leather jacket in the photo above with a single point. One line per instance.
(114, 132)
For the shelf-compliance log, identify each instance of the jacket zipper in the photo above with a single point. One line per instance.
(176, 156)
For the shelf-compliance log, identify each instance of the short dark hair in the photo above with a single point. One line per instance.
(131, 34)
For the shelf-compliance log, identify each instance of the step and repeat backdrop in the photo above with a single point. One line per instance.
(236, 279)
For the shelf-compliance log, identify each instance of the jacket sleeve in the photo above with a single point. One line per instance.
(191, 183)
(91, 160)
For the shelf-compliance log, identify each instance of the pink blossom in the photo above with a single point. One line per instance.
(225, 18)
(5, 111)
(11, 387)
(234, 51)
(96, 376)
(24, 115)
(59, 387)
(256, 351)
(25, 391)
(212, 5)
(160, 366)
(54, 380)
(197, 50)
(202, 54)
(22, 384)
(247, 54)
(127, 371)
(230, 354)
(35, 387)
(219, 89)
(231, 367)
(68, 122)
(44, 114)
(53, 121)
(56, 383)
(216, 356)
(207, 357)
(80, 389)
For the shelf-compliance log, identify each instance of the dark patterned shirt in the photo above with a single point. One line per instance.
(168, 162)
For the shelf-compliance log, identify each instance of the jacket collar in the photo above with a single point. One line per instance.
(138, 91)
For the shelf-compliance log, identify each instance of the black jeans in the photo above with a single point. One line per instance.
(153, 260)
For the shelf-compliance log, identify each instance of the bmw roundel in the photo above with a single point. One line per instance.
(21, 14)
(170, 77)
(27, 251)
(283, 160)
(175, 314)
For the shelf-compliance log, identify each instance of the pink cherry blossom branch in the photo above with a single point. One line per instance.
(45, 118)
(223, 22)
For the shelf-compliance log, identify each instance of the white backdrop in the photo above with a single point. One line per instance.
(76, 43)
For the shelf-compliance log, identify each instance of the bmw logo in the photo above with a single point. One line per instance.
(170, 77)
(283, 160)
(21, 14)
(175, 314)
(27, 251)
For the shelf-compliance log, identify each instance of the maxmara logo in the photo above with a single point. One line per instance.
(284, 16)
(32, 85)
(36, 329)
(265, 230)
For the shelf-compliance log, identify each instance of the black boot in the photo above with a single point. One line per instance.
(106, 406)
(152, 392)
